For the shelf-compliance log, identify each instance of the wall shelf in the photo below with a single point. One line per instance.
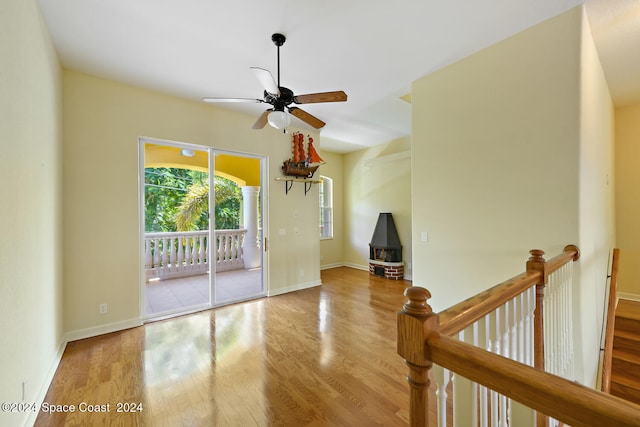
(290, 180)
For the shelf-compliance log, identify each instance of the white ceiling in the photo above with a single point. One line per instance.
(372, 50)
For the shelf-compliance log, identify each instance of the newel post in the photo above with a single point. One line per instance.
(416, 321)
(537, 263)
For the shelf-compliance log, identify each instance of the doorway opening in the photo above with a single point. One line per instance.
(200, 248)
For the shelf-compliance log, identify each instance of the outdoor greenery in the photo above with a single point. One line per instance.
(177, 200)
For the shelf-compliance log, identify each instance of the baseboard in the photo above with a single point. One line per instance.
(344, 264)
(102, 329)
(407, 277)
(334, 265)
(298, 287)
(44, 388)
(357, 266)
(632, 297)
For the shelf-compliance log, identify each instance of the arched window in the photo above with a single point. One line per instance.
(326, 207)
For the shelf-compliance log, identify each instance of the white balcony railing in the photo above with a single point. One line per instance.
(180, 254)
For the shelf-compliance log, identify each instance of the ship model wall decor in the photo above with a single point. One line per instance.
(302, 165)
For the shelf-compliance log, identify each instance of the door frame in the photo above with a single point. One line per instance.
(263, 197)
(141, 211)
(141, 221)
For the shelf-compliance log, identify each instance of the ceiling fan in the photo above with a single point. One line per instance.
(281, 98)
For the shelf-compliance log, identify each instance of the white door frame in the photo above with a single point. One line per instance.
(141, 238)
(263, 219)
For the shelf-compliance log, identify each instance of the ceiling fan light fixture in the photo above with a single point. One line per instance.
(280, 98)
(279, 119)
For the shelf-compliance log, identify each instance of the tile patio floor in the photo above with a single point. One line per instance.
(170, 295)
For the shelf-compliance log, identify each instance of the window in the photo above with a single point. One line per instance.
(326, 208)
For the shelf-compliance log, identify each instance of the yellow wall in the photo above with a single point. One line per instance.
(377, 180)
(499, 167)
(167, 156)
(104, 119)
(331, 250)
(242, 170)
(628, 197)
(245, 168)
(30, 207)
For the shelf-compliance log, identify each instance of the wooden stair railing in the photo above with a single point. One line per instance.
(607, 355)
(456, 318)
(425, 338)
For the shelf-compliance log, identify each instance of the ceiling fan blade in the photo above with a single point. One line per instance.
(209, 99)
(262, 120)
(266, 80)
(310, 98)
(307, 118)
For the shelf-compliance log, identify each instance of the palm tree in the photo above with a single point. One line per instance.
(194, 205)
(192, 212)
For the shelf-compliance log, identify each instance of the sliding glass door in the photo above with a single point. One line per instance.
(202, 216)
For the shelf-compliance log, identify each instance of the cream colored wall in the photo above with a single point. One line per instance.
(30, 207)
(331, 250)
(103, 121)
(497, 166)
(627, 155)
(377, 180)
(596, 205)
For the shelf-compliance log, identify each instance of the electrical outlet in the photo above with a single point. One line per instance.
(103, 308)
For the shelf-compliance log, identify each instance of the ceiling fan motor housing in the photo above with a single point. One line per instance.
(279, 102)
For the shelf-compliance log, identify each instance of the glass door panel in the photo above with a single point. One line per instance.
(176, 229)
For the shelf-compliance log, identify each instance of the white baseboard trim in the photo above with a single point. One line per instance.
(408, 277)
(361, 267)
(293, 288)
(334, 265)
(632, 297)
(357, 266)
(102, 329)
(44, 388)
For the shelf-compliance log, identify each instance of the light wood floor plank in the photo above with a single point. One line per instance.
(317, 357)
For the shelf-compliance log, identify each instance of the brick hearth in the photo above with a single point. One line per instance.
(388, 270)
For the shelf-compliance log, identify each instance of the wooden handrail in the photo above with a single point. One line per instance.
(561, 399)
(425, 338)
(611, 319)
(569, 253)
(463, 314)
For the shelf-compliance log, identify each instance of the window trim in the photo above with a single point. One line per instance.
(326, 183)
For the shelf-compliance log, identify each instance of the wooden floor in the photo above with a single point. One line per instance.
(628, 309)
(625, 361)
(321, 356)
